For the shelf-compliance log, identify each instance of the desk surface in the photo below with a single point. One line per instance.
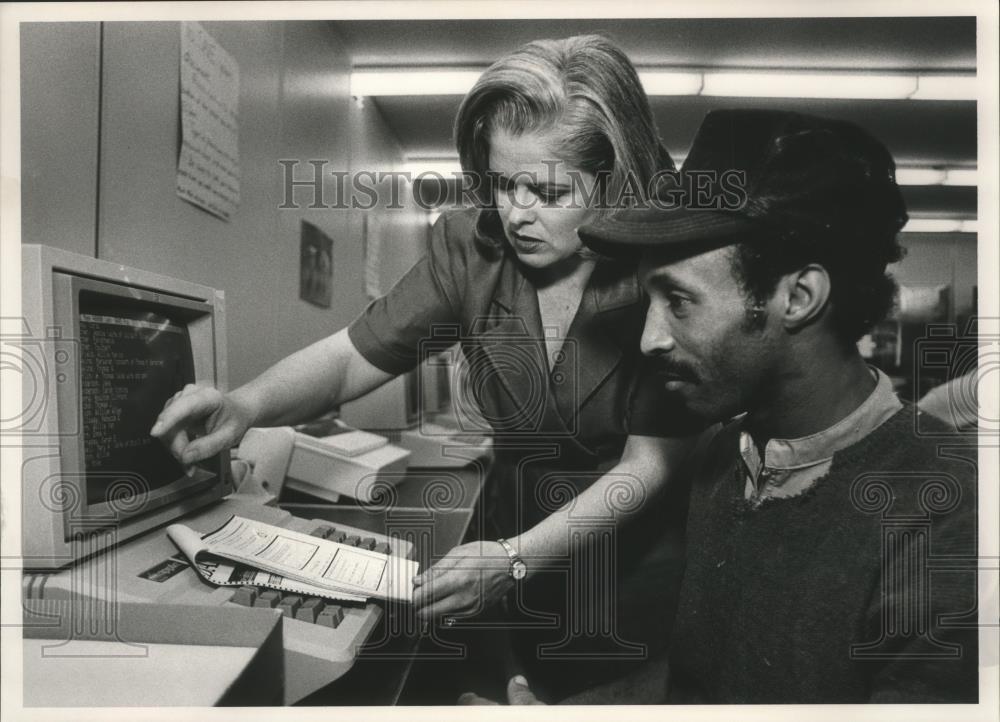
(431, 507)
(154, 679)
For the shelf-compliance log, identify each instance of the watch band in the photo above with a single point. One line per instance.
(518, 569)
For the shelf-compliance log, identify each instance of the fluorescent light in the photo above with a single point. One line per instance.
(670, 82)
(961, 177)
(692, 82)
(920, 176)
(945, 87)
(766, 84)
(932, 225)
(940, 225)
(447, 167)
(930, 176)
(413, 82)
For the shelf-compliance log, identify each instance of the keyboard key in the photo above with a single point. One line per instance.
(269, 599)
(310, 609)
(290, 604)
(367, 543)
(351, 541)
(330, 531)
(322, 531)
(332, 616)
(382, 548)
(339, 537)
(244, 596)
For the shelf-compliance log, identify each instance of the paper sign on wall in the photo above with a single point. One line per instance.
(208, 169)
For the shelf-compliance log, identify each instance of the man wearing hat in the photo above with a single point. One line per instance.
(830, 549)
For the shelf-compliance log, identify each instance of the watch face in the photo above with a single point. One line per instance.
(519, 570)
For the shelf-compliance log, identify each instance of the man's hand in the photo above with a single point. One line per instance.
(470, 578)
(518, 692)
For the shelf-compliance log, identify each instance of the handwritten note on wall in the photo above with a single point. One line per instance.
(208, 169)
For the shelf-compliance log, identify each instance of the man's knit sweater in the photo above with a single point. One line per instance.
(835, 595)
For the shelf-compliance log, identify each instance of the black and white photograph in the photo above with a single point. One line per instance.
(448, 355)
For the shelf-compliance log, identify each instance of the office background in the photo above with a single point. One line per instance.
(100, 127)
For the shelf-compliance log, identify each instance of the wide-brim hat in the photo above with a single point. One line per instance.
(753, 170)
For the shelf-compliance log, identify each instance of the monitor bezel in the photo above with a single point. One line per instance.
(79, 516)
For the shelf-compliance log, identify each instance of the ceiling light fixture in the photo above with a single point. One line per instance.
(671, 82)
(447, 167)
(961, 177)
(941, 225)
(423, 81)
(945, 87)
(693, 82)
(773, 84)
(931, 176)
(920, 176)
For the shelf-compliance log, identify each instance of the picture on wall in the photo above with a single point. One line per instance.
(315, 266)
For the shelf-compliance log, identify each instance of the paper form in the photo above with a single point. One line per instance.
(303, 559)
(208, 169)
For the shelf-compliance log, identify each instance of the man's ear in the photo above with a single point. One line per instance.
(806, 294)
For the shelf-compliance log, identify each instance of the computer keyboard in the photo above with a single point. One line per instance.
(321, 638)
(312, 610)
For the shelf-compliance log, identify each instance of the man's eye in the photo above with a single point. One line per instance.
(678, 304)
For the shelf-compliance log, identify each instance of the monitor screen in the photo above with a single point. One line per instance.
(134, 356)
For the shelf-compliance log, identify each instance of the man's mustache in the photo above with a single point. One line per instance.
(675, 370)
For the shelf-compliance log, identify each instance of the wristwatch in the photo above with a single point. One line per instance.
(518, 570)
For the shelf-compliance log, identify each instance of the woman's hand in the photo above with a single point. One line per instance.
(200, 421)
(470, 578)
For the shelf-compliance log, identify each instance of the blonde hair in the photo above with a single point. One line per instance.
(587, 90)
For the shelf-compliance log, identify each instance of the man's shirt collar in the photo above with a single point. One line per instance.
(784, 457)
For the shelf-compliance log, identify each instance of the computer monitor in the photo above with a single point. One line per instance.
(104, 347)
